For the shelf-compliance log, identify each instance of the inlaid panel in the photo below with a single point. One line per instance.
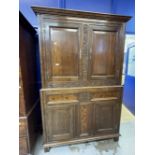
(107, 94)
(64, 97)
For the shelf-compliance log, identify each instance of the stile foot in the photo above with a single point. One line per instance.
(46, 149)
(116, 139)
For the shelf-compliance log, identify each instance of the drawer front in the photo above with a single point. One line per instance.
(22, 127)
(23, 146)
(106, 94)
(61, 98)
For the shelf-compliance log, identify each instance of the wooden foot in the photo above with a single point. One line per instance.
(116, 139)
(46, 149)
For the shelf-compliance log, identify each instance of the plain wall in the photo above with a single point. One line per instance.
(90, 5)
(124, 7)
(25, 8)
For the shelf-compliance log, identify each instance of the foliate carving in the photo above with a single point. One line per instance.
(85, 51)
(85, 35)
(84, 117)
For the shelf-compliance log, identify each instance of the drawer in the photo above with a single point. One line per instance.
(109, 93)
(62, 98)
(23, 146)
(22, 127)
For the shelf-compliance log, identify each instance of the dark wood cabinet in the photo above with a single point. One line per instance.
(80, 114)
(81, 56)
(29, 118)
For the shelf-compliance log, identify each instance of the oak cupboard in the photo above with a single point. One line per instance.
(81, 56)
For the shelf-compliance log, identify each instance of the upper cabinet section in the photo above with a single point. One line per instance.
(80, 48)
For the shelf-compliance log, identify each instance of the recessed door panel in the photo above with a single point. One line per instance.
(103, 51)
(105, 117)
(64, 54)
(60, 121)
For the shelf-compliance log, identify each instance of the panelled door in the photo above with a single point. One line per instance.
(60, 121)
(105, 53)
(61, 54)
(105, 117)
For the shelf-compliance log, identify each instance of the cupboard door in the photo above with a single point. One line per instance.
(105, 55)
(105, 117)
(62, 52)
(60, 121)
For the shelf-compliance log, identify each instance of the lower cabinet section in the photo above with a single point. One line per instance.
(80, 114)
